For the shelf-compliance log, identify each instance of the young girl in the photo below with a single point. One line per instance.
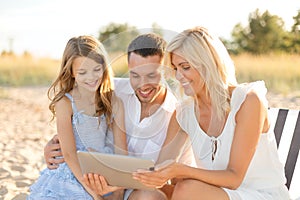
(88, 115)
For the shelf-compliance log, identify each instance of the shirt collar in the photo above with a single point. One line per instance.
(123, 85)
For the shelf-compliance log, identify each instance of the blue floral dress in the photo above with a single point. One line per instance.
(60, 183)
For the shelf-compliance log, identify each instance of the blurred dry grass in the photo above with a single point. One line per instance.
(281, 72)
(24, 71)
(119, 64)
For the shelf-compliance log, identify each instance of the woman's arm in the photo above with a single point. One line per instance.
(250, 122)
(172, 148)
(64, 113)
(174, 142)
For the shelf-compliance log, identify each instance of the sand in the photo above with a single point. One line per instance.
(25, 129)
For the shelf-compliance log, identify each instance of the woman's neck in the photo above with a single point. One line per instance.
(207, 116)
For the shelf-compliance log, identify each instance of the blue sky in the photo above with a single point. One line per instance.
(43, 27)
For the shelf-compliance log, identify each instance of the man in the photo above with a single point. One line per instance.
(148, 108)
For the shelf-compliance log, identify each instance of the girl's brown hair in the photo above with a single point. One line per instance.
(90, 47)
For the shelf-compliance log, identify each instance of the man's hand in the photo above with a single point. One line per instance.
(52, 153)
(98, 184)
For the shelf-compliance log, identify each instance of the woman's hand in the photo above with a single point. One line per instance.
(159, 177)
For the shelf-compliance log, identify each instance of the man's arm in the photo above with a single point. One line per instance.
(52, 153)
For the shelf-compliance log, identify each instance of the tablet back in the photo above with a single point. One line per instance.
(117, 169)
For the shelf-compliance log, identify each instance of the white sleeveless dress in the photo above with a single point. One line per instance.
(265, 179)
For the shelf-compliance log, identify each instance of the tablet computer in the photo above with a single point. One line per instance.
(117, 169)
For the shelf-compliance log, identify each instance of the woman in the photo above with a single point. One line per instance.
(228, 126)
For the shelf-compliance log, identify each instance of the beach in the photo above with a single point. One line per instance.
(25, 128)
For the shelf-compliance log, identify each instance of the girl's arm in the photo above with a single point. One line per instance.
(251, 121)
(64, 113)
(119, 134)
(118, 126)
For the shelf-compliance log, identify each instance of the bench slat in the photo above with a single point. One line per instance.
(293, 153)
(286, 124)
(282, 113)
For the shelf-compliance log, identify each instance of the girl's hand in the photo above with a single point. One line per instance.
(159, 177)
(97, 197)
(98, 184)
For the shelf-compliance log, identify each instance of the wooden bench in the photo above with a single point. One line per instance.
(286, 124)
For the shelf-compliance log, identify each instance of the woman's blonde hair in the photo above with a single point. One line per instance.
(90, 47)
(208, 55)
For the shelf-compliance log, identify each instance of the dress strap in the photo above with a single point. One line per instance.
(69, 96)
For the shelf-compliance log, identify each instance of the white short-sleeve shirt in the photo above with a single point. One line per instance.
(144, 138)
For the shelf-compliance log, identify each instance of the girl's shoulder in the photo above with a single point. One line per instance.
(63, 105)
(116, 102)
(115, 98)
(65, 100)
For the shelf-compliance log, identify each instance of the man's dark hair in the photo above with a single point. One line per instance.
(149, 44)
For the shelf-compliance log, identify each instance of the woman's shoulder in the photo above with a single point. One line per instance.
(253, 107)
(257, 86)
(249, 91)
(252, 99)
